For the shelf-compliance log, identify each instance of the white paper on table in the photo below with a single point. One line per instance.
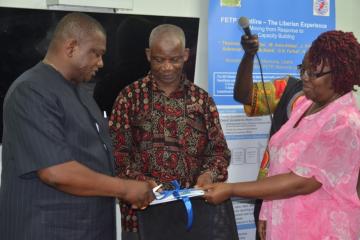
(183, 193)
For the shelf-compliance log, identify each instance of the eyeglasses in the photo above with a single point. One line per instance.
(310, 75)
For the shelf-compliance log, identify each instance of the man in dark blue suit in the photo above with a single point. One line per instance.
(57, 174)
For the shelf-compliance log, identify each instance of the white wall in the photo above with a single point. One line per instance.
(347, 16)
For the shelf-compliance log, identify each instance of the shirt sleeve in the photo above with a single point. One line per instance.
(332, 157)
(216, 157)
(35, 127)
(120, 130)
(259, 106)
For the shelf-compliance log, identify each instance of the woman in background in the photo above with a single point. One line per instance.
(312, 190)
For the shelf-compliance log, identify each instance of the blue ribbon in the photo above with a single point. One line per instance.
(179, 194)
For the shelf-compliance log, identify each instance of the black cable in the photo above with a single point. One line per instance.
(263, 85)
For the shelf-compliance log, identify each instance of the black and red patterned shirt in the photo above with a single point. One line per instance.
(164, 138)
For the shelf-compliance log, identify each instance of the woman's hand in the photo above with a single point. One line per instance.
(217, 192)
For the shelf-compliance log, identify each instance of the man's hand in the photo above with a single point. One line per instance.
(250, 44)
(152, 183)
(139, 194)
(218, 192)
(204, 179)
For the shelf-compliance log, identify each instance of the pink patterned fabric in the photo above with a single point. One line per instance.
(325, 145)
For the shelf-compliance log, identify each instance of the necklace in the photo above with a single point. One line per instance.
(314, 108)
(50, 64)
(57, 70)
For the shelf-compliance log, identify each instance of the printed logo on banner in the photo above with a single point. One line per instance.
(321, 8)
(230, 3)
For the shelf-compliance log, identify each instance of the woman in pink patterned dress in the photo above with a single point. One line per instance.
(313, 189)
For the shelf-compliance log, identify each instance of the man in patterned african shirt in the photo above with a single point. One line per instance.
(166, 128)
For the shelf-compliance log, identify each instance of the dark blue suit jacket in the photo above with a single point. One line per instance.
(49, 121)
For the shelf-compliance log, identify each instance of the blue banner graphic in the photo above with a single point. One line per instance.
(285, 29)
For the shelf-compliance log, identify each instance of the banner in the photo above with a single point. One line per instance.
(286, 30)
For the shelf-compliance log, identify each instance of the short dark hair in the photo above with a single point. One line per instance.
(341, 51)
(78, 25)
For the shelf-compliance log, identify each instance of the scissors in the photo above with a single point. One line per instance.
(155, 189)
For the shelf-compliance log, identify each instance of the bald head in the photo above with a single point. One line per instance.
(77, 26)
(164, 31)
(77, 47)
